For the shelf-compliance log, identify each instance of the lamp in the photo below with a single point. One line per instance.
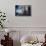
(7, 31)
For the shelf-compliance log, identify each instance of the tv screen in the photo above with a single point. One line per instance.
(23, 10)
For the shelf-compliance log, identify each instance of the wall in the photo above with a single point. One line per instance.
(36, 22)
(38, 18)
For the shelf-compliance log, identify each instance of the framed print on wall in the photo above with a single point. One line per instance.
(22, 10)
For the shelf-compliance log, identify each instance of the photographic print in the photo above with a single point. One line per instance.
(23, 10)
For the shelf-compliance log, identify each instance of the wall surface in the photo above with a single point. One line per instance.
(38, 18)
(26, 24)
